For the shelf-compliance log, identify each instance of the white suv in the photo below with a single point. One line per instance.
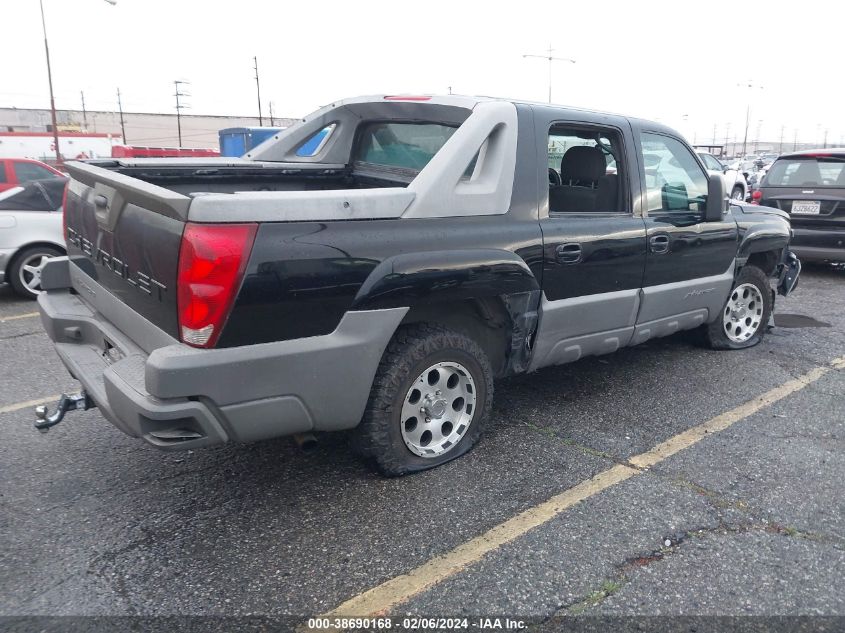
(735, 182)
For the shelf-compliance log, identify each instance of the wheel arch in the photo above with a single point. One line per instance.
(763, 246)
(14, 258)
(490, 295)
(766, 261)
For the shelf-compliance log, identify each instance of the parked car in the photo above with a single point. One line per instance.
(381, 280)
(755, 179)
(30, 232)
(810, 186)
(19, 171)
(735, 183)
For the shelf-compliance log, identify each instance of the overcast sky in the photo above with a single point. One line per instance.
(676, 62)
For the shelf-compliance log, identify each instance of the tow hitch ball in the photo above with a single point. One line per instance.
(66, 403)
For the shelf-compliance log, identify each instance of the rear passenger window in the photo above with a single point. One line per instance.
(3, 172)
(585, 170)
(674, 180)
(27, 172)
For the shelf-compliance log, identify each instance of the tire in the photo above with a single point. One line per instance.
(415, 354)
(25, 282)
(738, 193)
(745, 314)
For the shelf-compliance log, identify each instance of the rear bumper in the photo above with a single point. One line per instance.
(818, 244)
(179, 397)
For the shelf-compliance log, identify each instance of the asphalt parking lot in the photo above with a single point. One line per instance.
(744, 516)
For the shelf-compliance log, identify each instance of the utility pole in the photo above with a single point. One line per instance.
(757, 136)
(272, 122)
(120, 109)
(714, 134)
(50, 82)
(825, 138)
(258, 91)
(550, 59)
(180, 106)
(727, 135)
(795, 140)
(84, 113)
(780, 145)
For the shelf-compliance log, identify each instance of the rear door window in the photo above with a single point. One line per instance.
(3, 178)
(30, 197)
(813, 171)
(407, 146)
(585, 170)
(31, 171)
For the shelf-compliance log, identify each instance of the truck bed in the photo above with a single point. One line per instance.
(190, 176)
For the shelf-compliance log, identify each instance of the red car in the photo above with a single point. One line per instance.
(17, 171)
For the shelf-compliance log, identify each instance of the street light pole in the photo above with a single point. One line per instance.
(50, 82)
(551, 59)
(749, 85)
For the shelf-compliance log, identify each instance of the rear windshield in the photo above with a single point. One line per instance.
(404, 145)
(827, 171)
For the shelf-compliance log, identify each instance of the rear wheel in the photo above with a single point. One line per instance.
(25, 271)
(742, 321)
(430, 399)
(738, 193)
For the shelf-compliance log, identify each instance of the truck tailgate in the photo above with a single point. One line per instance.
(124, 234)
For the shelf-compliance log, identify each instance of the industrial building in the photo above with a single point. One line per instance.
(139, 128)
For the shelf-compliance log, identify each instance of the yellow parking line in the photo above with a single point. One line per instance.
(28, 315)
(380, 599)
(29, 403)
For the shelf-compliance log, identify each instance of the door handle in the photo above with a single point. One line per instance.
(659, 244)
(568, 253)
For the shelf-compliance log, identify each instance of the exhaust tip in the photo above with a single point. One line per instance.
(305, 441)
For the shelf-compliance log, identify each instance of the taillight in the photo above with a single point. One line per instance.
(755, 197)
(212, 260)
(64, 210)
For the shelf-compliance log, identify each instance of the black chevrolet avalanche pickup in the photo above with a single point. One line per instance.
(377, 265)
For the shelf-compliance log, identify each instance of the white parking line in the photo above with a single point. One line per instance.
(29, 403)
(381, 599)
(15, 317)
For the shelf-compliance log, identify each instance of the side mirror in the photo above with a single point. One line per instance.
(717, 199)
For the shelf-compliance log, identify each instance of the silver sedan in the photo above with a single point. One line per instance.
(30, 233)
